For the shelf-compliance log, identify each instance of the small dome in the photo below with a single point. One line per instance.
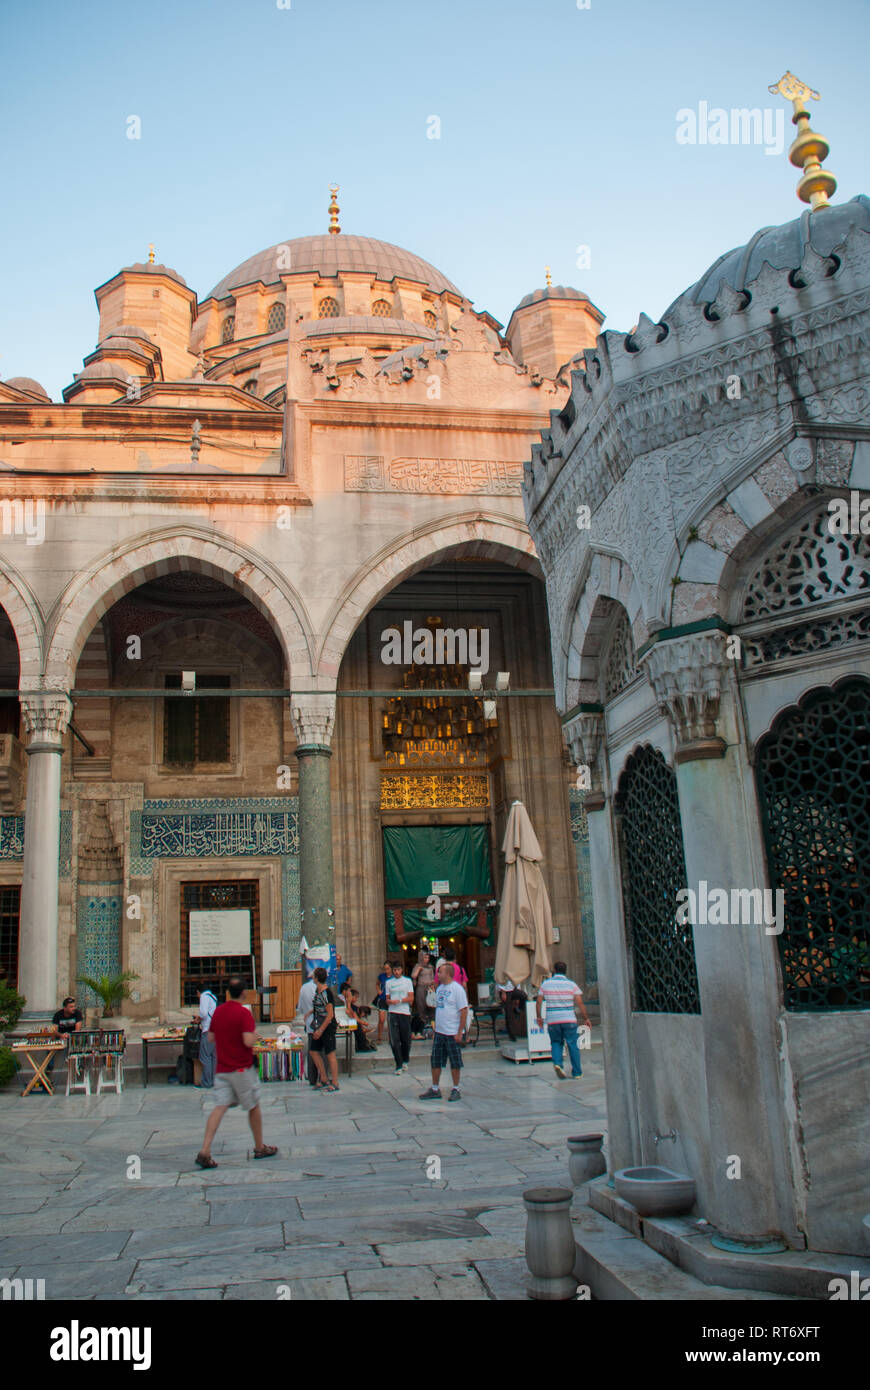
(329, 256)
(365, 323)
(102, 369)
(27, 383)
(121, 343)
(158, 270)
(130, 330)
(783, 247)
(552, 292)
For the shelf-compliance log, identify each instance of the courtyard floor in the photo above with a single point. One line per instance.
(345, 1211)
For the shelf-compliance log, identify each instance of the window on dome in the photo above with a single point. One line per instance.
(429, 319)
(276, 319)
(251, 386)
(381, 309)
(228, 330)
(328, 308)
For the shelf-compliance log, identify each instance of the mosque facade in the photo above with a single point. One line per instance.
(245, 495)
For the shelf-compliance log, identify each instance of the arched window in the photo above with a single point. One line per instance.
(251, 386)
(813, 771)
(381, 309)
(430, 319)
(328, 308)
(277, 318)
(619, 663)
(228, 329)
(661, 946)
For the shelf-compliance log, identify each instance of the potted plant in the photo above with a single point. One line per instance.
(11, 1006)
(110, 988)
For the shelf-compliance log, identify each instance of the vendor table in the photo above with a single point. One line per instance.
(39, 1062)
(349, 1046)
(491, 1012)
(158, 1040)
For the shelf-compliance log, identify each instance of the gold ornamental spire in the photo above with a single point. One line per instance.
(151, 253)
(809, 148)
(334, 228)
(549, 277)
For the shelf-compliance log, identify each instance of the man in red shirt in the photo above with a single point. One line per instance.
(235, 1083)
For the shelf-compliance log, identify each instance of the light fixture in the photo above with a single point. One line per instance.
(489, 710)
(188, 680)
(475, 680)
(503, 680)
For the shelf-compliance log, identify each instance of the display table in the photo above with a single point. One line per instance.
(166, 1037)
(38, 1053)
(275, 1063)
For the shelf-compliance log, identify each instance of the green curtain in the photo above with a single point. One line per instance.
(415, 920)
(417, 855)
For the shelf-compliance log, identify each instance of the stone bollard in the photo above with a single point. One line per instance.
(550, 1249)
(586, 1161)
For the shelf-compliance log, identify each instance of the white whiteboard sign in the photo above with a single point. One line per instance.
(538, 1038)
(223, 933)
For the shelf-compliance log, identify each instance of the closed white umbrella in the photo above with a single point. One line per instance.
(525, 924)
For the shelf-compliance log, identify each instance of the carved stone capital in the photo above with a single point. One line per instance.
(584, 737)
(313, 719)
(686, 675)
(46, 718)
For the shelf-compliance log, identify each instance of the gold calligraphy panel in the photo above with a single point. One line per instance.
(419, 791)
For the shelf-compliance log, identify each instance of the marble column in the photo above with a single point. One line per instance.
(46, 718)
(695, 684)
(314, 722)
(584, 735)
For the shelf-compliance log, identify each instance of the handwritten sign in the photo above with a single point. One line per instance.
(220, 933)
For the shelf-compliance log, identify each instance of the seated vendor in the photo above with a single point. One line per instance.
(68, 1019)
(362, 1037)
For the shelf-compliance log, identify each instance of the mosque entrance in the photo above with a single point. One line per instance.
(227, 904)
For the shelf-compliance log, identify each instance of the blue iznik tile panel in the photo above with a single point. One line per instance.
(98, 928)
(208, 829)
(580, 836)
(12, 840)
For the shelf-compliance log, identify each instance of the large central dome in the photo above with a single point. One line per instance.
(329, 255)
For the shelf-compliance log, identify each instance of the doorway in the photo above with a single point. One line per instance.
(199, 971)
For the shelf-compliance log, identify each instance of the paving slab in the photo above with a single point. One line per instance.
(454, 1251)
(185, 1242)
(444, 1283)
(62, 1248)
(327, 1289)
(279, 1268)
(505, 1279)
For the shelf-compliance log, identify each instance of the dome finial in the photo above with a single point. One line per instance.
(549, 277)
(334, 228)
(809, 148)
(151, 253)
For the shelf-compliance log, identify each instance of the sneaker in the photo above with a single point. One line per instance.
(398, 1071)
(455, 1094)
(559, 1072)
(433, 1093)
(405, 1067)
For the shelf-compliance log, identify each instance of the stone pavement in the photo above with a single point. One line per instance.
(346, 1210)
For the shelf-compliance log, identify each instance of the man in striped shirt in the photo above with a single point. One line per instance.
(564, 1000)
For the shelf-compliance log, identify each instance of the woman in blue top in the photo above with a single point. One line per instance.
(380, 999)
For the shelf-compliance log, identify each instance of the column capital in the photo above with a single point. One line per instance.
(584, 737)
(686, 676)
(313, 719)
(46, 716)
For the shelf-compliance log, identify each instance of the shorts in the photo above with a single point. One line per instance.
(445, 1047)
(237, 1088)
(325, 1043)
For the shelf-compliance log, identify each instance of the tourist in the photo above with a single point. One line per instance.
(233, 1032)
(304, 1008)
(400, 996)
(207, 1056)
(322, 1041)
(380, 999)
(342, 974)
(449, 958)
(68, 1019)
(423, 980)
(451, 1016)
(564, 1000)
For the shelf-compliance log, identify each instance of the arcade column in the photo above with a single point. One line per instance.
(313, 723)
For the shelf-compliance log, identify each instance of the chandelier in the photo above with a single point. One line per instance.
(425, 728)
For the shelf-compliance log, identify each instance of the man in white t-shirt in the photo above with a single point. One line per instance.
(400, 996)
(305, 1009)
(451, 1016)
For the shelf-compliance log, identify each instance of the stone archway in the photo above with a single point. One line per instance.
(24, 614)
(608, 583)
(95, 591)
(474, 535)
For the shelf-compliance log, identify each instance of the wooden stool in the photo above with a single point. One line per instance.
(111, 1056)
(79, 1060)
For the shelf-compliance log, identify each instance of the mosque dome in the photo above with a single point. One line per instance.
(329, 255)
(783, 247)
(27, 383)
(552, 292)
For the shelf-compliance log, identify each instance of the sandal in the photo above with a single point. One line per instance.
(205, 1160)
(330, 1087)
(267, 1151)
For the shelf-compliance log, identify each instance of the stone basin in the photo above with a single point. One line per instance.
(654, 1191)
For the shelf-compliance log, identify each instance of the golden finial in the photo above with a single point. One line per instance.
(151, 253)
(334, 228)
(809, 148)
(549, 277)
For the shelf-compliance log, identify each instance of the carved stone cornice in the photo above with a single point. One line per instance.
(46, 717)
(313, 719)
(686, 676)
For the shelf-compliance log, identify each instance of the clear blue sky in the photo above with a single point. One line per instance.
(557, 129)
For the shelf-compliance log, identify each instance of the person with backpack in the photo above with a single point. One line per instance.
(207, 1055)
(322, 1039)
